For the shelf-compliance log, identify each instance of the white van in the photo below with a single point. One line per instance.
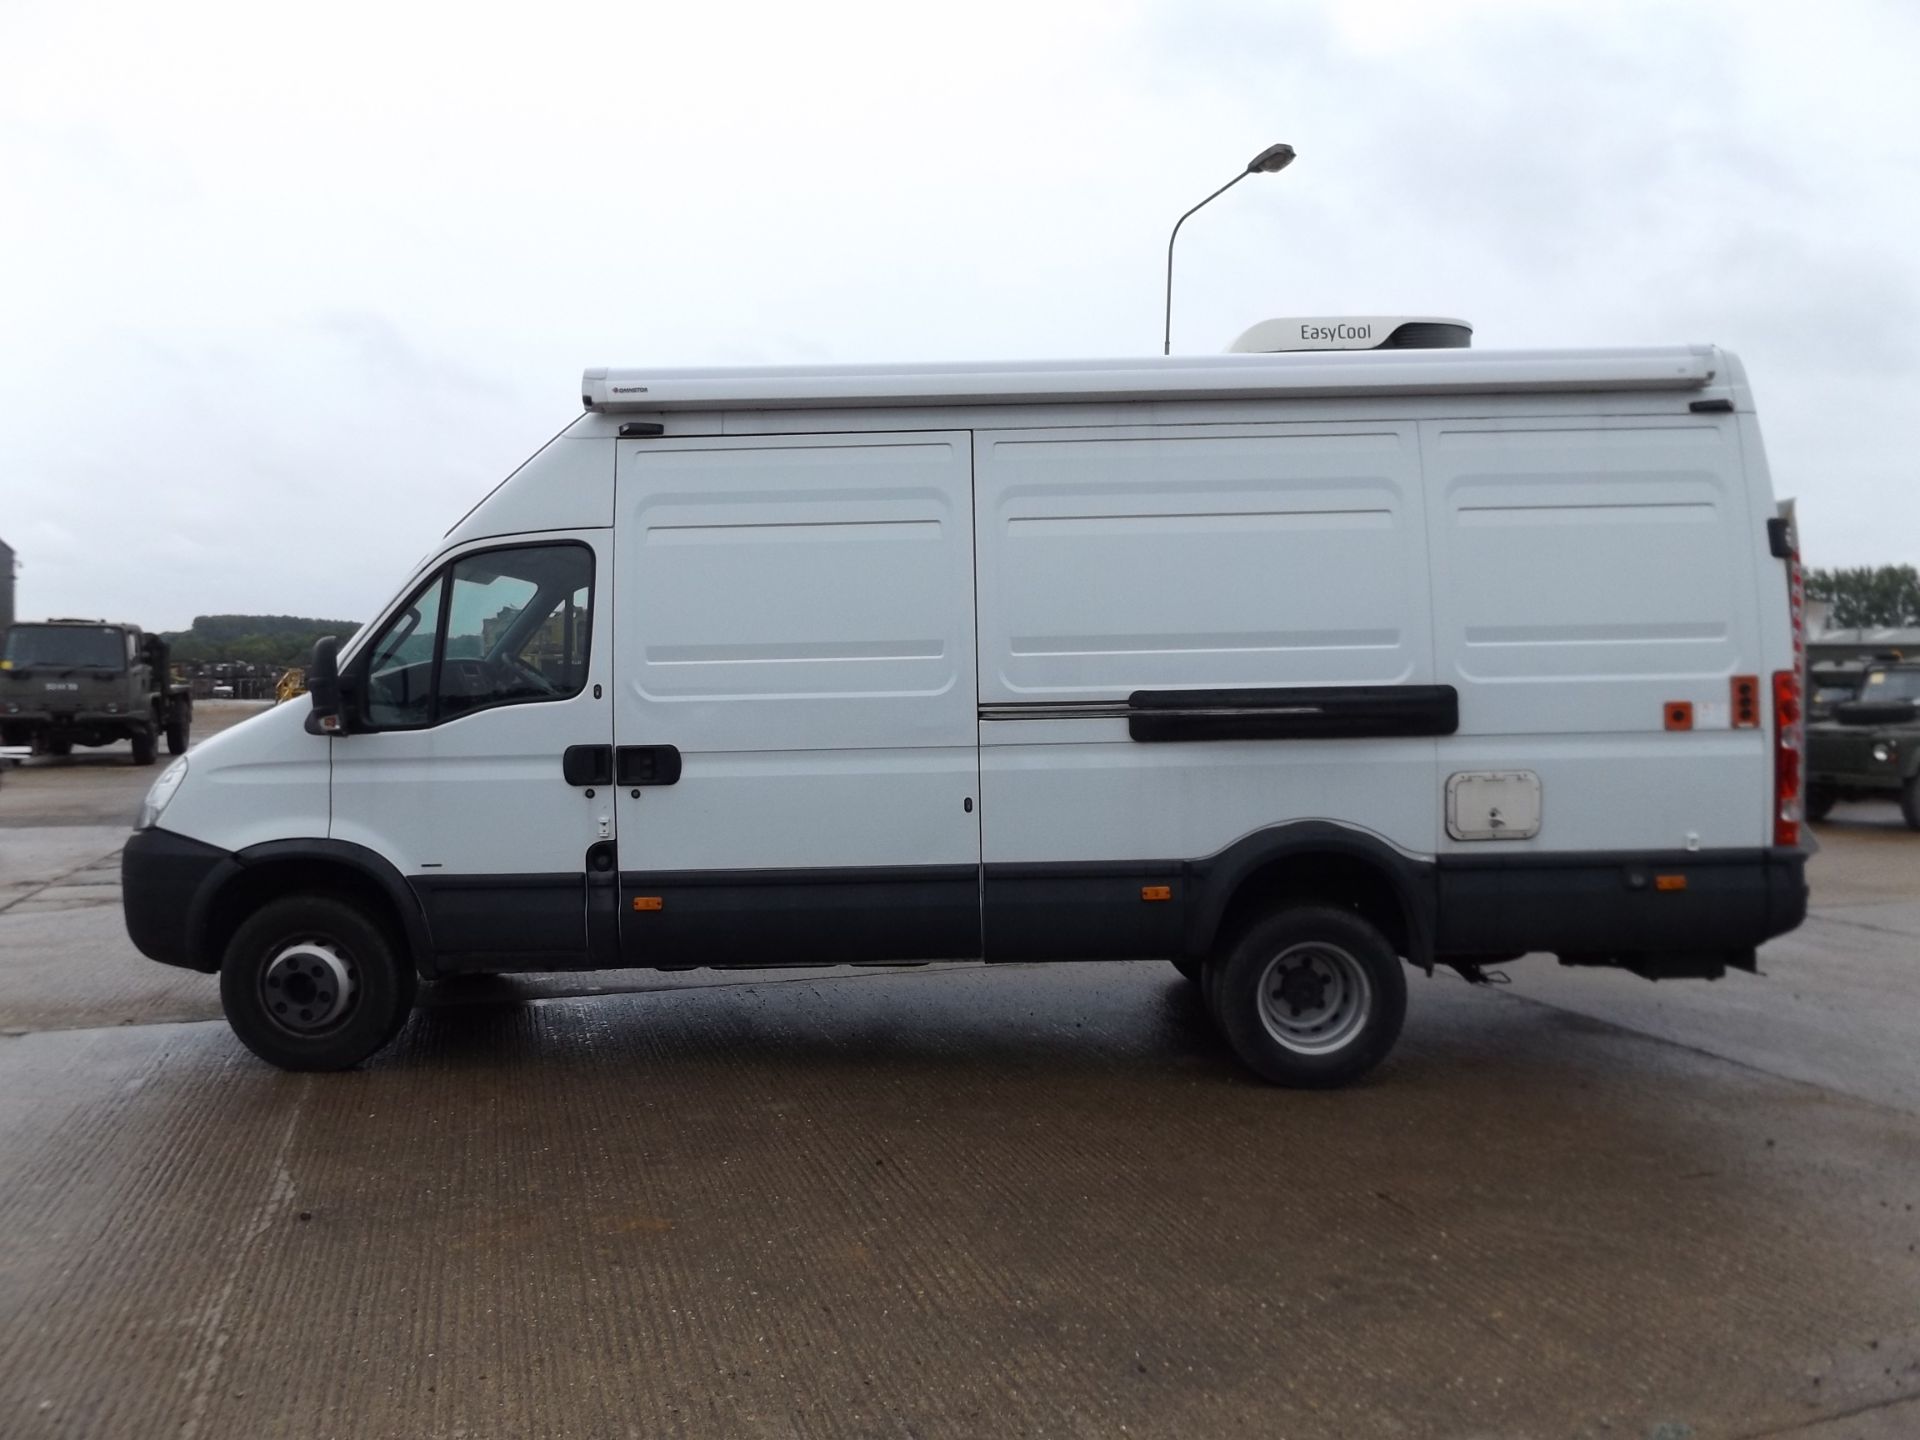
(1286, 668)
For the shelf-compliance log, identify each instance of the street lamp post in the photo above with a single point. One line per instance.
(1269, 160)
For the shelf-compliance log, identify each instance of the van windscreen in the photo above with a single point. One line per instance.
(1892, 685)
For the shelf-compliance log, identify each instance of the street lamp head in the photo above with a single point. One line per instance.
(1274, 157)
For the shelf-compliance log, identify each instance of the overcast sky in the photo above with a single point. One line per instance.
(284, 289)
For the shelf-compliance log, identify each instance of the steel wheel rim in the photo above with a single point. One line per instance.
(308, 987)
(1315, 998)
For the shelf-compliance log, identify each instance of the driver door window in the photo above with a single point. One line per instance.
(515, 631)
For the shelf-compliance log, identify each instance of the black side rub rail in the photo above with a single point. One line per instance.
(1305, 713)
(1300, 713)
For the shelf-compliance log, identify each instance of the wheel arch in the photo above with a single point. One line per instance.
(253, 876)
(1320, 862)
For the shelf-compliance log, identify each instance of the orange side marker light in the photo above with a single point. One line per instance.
(648, 902)
(1156, 892)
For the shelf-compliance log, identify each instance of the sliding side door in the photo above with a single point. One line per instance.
(797, 767)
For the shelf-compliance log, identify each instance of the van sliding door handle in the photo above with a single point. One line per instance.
(647, 764)
(587, 764)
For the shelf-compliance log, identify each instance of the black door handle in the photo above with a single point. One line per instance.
(587, 764)
(648, 764)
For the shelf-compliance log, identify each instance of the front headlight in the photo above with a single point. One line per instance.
(161, 793)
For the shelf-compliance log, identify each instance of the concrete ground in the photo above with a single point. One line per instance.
(955, 1200)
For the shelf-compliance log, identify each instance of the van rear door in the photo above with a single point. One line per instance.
(794, 718)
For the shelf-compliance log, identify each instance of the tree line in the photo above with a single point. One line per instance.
(278, 641)
(1868, 597)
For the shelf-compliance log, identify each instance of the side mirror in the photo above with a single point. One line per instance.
(323, 686)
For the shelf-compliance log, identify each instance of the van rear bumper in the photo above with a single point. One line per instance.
(1627, 909)
(165, 881)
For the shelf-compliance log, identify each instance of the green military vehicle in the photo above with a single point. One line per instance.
(87, 682)
(1868, 748)
(1831, 682)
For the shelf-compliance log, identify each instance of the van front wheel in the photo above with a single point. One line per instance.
(310, 983)
(1310, 996)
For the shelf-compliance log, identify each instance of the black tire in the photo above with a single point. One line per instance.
(1189, 969)
(57, 747)
(1820, 802)
(1910, 801)
(1209, 979)
(292, 949)
(144, 747)
(1336, 1010)
(177, 736)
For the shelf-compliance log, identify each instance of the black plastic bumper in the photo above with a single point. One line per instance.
(1597, 908)
(165, 880)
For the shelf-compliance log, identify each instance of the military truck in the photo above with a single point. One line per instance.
(1869, 747)
(90, 682)
(1831, 682)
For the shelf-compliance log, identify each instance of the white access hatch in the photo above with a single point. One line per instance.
(1493, 805)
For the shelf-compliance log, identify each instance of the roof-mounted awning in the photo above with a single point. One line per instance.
(1188, 377)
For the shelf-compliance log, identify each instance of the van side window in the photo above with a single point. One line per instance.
(499, 627)
(517, 628)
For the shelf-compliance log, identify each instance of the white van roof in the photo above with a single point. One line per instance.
(1189, 377)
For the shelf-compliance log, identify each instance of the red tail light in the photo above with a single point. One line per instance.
(1788, 716)
(1786, 757)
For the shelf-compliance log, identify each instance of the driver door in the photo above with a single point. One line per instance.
(467, 700)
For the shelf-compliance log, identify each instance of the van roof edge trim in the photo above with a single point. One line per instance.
(1197, 377)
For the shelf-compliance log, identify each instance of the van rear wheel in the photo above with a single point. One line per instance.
(1910, 802)
(309, 982)
(176, 737)
(1310, 997)
(1820, 802)
(145, 747)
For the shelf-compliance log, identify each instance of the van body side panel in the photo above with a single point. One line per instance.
(264, 779)
(1586, 569)
(565, 485)
(1141, 579)
(1589, 576)
(796, 618)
